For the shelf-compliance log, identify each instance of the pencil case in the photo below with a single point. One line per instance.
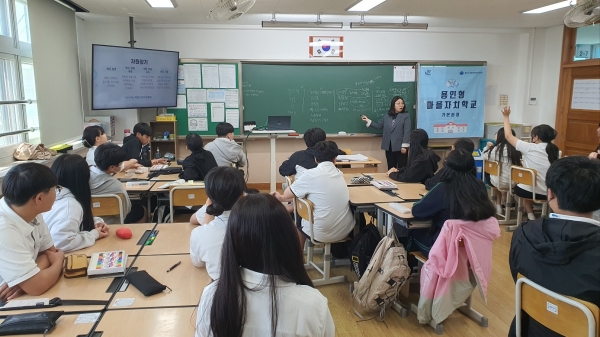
(31, 323)
(145, 283)
(76, 265)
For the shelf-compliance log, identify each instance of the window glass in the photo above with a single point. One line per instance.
(22, 21)
(587, 45)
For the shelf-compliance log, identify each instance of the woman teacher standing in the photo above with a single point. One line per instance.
(396, 127)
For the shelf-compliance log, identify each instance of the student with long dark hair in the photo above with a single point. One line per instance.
(463, 144)
(93, 136)
(224, 186)
(70, 220)
(396, 127)
(506, 155)
(462, 196)
(538, 155)
(263, 289)
(422, 161)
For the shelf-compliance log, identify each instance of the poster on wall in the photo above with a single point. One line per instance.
(451, 101)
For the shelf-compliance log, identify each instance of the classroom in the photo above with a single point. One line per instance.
(541, 69)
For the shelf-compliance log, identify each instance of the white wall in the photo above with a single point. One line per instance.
(54, 50)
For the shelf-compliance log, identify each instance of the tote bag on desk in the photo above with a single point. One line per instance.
(26, 151)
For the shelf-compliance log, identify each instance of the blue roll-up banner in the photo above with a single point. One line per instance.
(451, 101)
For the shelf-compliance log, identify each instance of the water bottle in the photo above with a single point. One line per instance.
(157, 155)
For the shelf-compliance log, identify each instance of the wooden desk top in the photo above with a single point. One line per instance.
(112, 242)
(370, 161)
(166, 177)
(409, 191)
(65, 326)
(163, 322)
(141, 188)
(156, 188)
(80, 288)
(186, 282)
(440, 145)
(388, 209)
(140, 176)
(368, 195)
(172, 238)
(376, 176)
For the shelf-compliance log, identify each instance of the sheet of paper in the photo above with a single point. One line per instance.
(404, 74)
(217, 112)
(197, 110)
(181, 87)
(232, 116)
(181, 102)
(586, 94)
(232, 98)
(210, 75)
(180, 72)
(227, 76)
(123, 302)
(215, 95)
(87, 318)
(191, 73)
(352, 157)
(26, 303)
(197, 124)
(196, 95)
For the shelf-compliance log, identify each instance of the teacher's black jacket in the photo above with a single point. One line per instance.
(560, 255)
(396, 135)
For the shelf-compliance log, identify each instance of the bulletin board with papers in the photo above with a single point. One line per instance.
(207, 93)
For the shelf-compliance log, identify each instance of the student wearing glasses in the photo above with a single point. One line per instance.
(29, 262)
(396, 127)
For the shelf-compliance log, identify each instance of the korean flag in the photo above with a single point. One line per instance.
(326, 46)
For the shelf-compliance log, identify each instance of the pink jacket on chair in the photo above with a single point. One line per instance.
(446, 280)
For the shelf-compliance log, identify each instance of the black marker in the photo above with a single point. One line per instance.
(174, 266)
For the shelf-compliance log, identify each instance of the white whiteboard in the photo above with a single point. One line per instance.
(586, 94)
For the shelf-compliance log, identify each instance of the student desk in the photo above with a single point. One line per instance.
(166, 177)
(410, 191)
(163, 322)
(172, 238)
(386, 215)
(140, 188)
(65, 326)
(376, 176)
(186, 282)
(112, 242)
(80, 288)
(156, 188)
(364, 198)
(369, 165)
(138, 176)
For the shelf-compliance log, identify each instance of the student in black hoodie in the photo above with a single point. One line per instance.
(137, 146)
(196, 165)
(304, 158)
(463, 144)
(422, 162)
(562, 253)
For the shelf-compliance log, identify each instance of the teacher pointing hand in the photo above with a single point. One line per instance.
(396, 127)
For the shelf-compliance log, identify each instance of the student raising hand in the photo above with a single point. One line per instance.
(506, 111)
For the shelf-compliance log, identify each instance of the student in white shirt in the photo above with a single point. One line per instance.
(224, 186)
(505, 155)
(94, 136)
(70, 220)
(326, 188)
(538, 155)
(263, 289)
(29, 262)
(225, 150)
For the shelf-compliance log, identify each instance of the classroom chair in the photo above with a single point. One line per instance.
(525, 176)
(466, 308)
(108, 205)
(185, 195)
(493, 168)
(347, 151)
(564, 315)
(304, 208)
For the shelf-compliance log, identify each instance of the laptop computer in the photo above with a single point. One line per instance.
(279, 122)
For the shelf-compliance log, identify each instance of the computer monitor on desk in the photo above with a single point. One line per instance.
(275, 123)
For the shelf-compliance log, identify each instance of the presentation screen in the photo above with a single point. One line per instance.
(130, 78)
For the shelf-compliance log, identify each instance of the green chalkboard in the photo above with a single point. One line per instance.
(329, 96)
(185, 121)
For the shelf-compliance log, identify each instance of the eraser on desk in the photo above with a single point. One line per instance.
(124, 233)
(293, 134)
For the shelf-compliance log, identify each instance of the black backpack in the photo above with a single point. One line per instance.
(362, 248)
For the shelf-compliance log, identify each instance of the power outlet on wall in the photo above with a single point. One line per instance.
(532, 101)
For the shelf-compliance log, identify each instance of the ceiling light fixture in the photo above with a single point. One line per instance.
(364, 5)
(298, 24)
(380, 25)
(549, 8)
(161, 3)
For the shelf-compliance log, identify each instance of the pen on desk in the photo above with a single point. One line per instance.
(422, 194)
(174, 266)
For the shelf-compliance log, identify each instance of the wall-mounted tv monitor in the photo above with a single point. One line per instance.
(132, 78)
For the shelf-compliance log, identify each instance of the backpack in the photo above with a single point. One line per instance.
(388, 270)
(362, 248)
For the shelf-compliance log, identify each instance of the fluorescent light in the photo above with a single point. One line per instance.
(549, 8)
(299, 24)
(377, 25)
(364, 5)
(161, 3)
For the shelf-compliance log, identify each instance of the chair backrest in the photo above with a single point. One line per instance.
(521, 175)
(347, 151)
(491, 167)
(567, 316)
(187, 195)
(108, 205)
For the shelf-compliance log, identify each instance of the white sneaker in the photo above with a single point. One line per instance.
(499, 209)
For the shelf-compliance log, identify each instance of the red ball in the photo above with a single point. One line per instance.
(124, 233)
